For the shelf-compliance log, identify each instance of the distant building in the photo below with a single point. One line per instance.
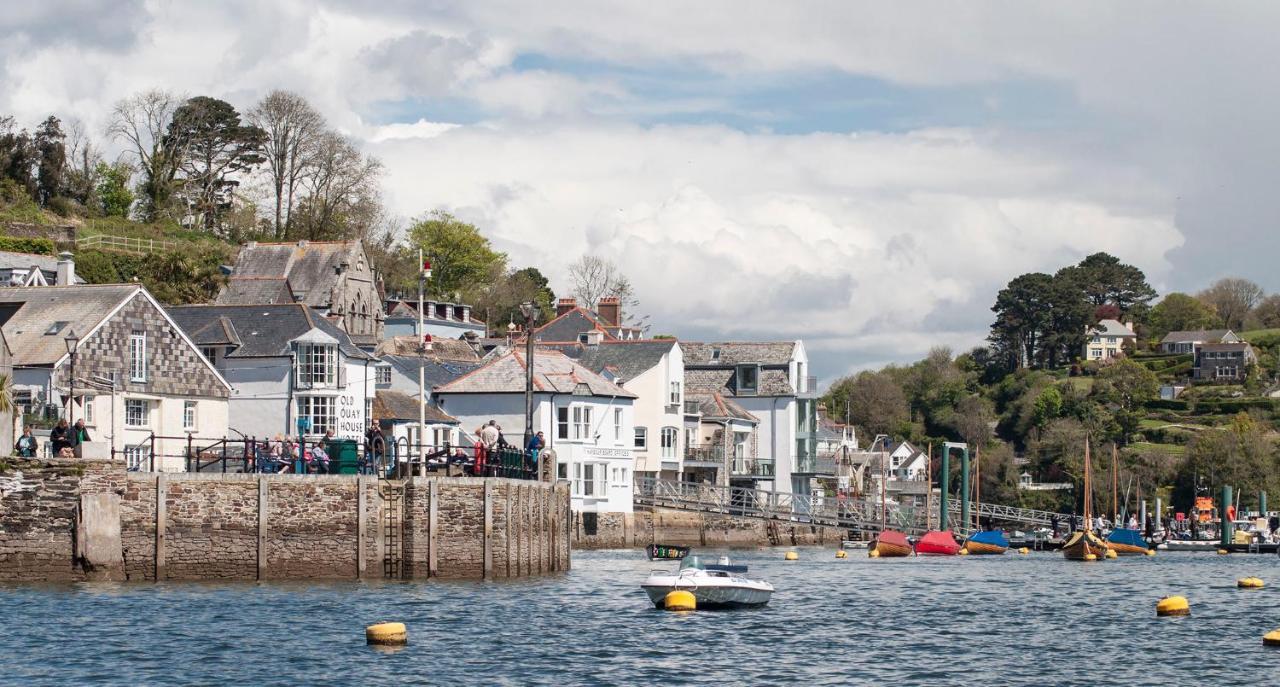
(397, 416)
(723, 440)
(440, 320)
(576, 324)
(335, 278)
(1187, 341)
(163, 386)
(1107, 339)
(1223, 362)
(30, 269)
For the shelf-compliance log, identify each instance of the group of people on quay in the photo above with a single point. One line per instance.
(62, 437)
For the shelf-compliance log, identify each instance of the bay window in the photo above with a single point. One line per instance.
(317, 365)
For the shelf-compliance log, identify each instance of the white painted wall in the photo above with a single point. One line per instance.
(260, 399)
(653, 388)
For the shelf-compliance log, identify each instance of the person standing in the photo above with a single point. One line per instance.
(59, 438)
(27, 445)
(79, 434)
(536, 442)
(489, 434)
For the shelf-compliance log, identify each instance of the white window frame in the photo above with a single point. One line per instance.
(136, 456)
(86, 410)
(323, 407)
(617, 425)
(562, 423)
(668, 438)
(138, 357)
(675, 393)
(580, 421)
(190, 417)
(129, 416)
(642, 438)
(317, 366)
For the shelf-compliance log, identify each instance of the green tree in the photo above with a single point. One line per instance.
(875, 400)
(1266, 314)
(461, 257)
(216, 147)
(500, 300)
(1126, 385)
(1022, 316)
(17, 156)
(51, 149)
(1105, 280)
(1232, 299)
(1180, 312)
(113, 195)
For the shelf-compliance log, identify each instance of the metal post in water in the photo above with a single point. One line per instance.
(1159, 514)
(1262, 504)
(946, 484)
(1226, 522)
(1142, 520)
(964, 486)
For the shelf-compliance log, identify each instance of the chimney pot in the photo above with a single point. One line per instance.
(66, 269)
(610, 310)
(564, 305)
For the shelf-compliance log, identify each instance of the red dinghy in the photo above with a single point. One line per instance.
(892, 544)
(935, 543)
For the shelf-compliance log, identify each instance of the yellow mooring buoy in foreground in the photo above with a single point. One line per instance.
(791, 556)
(1024, 550)
(386, 634)
(962, 552)
(1271, 638)
(1249, 583)
(841, 554)
(1111, 553)
(1091, 556)
(680, 600)
(1223, 552)
(1173, 605)
(872, 553)
(1150, 552)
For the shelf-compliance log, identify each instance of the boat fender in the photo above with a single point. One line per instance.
(1111, 553)
(963, 552)
(1173, 606)
(680, 600)
(386, 634)
(791, 556)
(1150, 552)
(1091, 556)
(1024, 550)
(1271, 638)
(1249, 583)
(872, 553)
(841, 554)
(1223, 552)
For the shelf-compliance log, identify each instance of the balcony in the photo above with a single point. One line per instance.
(704, 457)
(691, 408)
(761, 468)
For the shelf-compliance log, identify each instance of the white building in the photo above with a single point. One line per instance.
(284, 363)
(586, 419)
(140, 384)
(1107, 339)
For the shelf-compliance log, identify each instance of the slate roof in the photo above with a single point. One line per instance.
(714, 406)
(553, 372)
(441, 349)
(394, 405)
(308, 265)
(568, 326)
(255, 291)
(1212, 335)
(437, 372)
(772, 382)
(262, 330)
(625, 359)
(733, 353)
(1233, 346)
(1111, 328)
(36, 320)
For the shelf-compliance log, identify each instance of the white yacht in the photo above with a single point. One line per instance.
(714, 586)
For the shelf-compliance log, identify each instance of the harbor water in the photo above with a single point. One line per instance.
(979, 620)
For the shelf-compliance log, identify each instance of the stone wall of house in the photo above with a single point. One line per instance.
(196, 527)
(626, 530)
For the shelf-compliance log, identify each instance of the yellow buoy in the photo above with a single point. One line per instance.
(1223, 552)
(1173, 605)
(680, 600)
(1091, 556)
(1111, 553)
(791, 556)
(1150, 552)
(963, 552)
(1249, 583)
(1271, 638)
(841, 554)
(872, 553)
(1024, 550)
(387, 634)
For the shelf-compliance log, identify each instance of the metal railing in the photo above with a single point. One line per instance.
(753, 467)
(705, 454)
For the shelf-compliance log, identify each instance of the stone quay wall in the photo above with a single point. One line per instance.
(81, 519)
(688, 528)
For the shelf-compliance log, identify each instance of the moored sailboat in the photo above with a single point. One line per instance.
(989, 542)
(1127, 542)
(1083, 544)
(892, 544)
(936, 543)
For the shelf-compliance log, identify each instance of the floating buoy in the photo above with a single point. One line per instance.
(1173, 605)
(791, 556)
(1024, 550)
(872, 553)
(1249, 583)
(386, 634)
(1271, 638)
(1150, 552)
(1111, 553)
(680, 600)
(1091, 556)
(1223, 552)
(963, 552)
(841, 554)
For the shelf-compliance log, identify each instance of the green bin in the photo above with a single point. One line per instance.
(344, 456)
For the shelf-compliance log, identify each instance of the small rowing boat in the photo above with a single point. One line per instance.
(989, 542)
(666, 552)
(892, 544)
(936, 543)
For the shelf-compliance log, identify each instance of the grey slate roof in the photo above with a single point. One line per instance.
(1111, 328)
(1209, 335)
(308, 267)
(255, 291)
(437, 371)
(394, 405)
(568, 326)
(553, 372)
(441, 349)
(715, 406)
(772, 382)
(625, 359)
(733, 353)
(36, 320)
(262, 330)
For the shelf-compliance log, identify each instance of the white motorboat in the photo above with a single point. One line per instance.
(713, 586)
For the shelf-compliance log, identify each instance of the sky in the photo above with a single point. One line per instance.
(861, 175)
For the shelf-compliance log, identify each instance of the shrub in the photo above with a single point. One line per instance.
(18, 244)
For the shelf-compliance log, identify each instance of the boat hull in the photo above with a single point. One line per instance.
(711, 591)
(937, 543)
(987, 543)
(666, 552)
(1081, 544)
(1126, 542)
(891, 544)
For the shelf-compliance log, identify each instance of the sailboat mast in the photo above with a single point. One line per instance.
(977, 487)
(1088, 487)
(884, 481)
(928, 490)
(1115, 484)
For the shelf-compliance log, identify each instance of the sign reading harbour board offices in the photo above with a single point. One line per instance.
(596, 452)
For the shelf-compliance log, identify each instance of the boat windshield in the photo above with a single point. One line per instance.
(692, 562)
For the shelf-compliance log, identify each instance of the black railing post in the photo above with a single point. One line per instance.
(152, 451)
(190, 456)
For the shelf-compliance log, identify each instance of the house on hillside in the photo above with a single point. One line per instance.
(1108, 339)
(574, 323)
(335, 278)
(137, 374)
(653, 370)
(586, 419)
(770, 381)
(285, 363)
(1188, 341)
(440, 320)
(30, 269)
(1223, 362)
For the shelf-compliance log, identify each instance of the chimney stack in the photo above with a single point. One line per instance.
(594, 337)
(564, 305)
(66, 269)
(610, 310)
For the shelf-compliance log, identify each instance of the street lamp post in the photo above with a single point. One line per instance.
(530, 311)
(72, 341)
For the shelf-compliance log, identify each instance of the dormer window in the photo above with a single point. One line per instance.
(317, 365)
(748, 379)
(715, 354)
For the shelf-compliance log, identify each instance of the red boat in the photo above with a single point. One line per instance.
(891, 544)
(935, 543)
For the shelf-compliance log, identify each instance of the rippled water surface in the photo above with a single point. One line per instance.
(1027, 620)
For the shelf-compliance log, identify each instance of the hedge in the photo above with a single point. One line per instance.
(18, 244)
